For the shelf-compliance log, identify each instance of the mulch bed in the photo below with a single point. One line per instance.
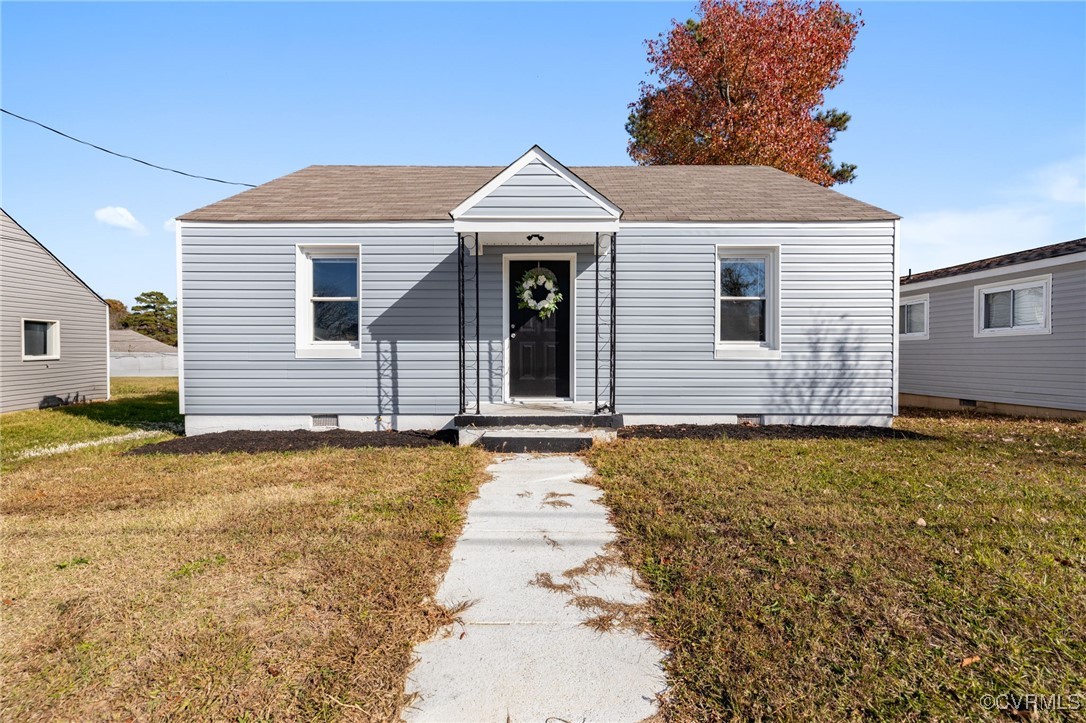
(295, 441)
(769, 431)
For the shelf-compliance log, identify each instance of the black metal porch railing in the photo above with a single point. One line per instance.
(463, 248)
(612, 239)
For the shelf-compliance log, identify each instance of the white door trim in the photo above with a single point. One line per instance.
(572, 298)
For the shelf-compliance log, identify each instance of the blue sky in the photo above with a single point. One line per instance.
(969, 119)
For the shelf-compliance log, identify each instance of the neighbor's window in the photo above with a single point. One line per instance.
(328, 301)
(745, 299)
(1019, 307)
(913, 318)
(41, 339)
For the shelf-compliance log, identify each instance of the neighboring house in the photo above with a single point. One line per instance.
(389, 296)
(132, 354)
(53, 328)
(1005, 334)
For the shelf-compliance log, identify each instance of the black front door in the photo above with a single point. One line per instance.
(539, 348)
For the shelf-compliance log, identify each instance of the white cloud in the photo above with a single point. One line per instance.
(1048, 207)
(1063, 182)
(120, 217)
(169, 225)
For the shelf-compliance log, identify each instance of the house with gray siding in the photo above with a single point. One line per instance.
(1005, 334)
(54, 346)
(132, 354)
(407, 297)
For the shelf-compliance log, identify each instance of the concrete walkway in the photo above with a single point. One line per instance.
(548, 635)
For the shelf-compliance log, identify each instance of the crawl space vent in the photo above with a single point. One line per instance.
(325, 421)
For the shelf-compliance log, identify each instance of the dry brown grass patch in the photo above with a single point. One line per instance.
(227, 586)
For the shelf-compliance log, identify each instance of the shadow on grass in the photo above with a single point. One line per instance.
(771, 431)
(158, 410)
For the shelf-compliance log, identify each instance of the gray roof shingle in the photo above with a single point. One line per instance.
(644, 193)
(995, 262)
(127, 340)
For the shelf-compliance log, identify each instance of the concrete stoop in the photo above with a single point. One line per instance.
(530, 438)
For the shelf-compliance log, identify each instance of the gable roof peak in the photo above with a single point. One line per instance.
(536, 154)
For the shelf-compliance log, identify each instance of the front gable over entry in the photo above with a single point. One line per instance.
(538, 193)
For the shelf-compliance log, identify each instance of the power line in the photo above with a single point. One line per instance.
(121, 155)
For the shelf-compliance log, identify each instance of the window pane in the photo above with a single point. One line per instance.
(997, 310)
(335, 321)
(903, 319)
(335, 277)
(35, 338)
(916, 318)
(1029, 306)
(742, 277)
(742, 320)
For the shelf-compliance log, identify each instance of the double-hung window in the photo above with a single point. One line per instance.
(746, 318)
(1021, 306)
(41, 340)
(912, 320)
(327, 304)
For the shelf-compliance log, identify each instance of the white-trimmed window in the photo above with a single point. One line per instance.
(327, 310)
(912, 317)
(41, 339)
(1022, 306)
(746, 304)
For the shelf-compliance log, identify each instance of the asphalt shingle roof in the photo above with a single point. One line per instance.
(644, 193)
(995, 262)
(126, 340)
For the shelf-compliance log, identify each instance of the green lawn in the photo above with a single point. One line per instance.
(792, 579)
(881, 578)
(136, 403)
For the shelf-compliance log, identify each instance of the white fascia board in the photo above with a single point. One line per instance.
(317, 224)
(550, 225)
(1008, 270)
(535, 153)
(756, 224)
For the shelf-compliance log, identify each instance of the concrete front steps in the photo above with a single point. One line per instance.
(562, 434)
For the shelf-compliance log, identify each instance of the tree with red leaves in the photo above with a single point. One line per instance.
(744, 85)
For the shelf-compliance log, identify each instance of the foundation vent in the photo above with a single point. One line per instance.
(749, 420)
(967, 402)
(325, 421)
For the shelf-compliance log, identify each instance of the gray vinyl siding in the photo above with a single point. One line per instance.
(239, 337)
(1044, 370)
(837, 322)
(239, 334)
(33, 285)
(536, 191)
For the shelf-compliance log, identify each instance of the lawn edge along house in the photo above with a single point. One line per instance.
(411, 297)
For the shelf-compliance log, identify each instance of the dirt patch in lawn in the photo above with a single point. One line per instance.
(299, 440)
(769, 431)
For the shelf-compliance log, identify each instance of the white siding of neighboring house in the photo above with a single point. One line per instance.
(34, 285)
(1042, 370)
